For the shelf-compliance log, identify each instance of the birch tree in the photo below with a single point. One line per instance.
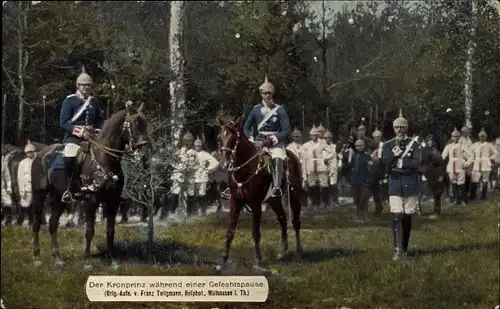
(177, 88)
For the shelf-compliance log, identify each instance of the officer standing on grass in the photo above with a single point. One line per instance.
(403, 158)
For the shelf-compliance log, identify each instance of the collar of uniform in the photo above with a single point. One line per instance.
(263, 103)
(79, 95)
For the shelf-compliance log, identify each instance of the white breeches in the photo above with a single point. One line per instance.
(318, 178)
(6, 198)
(71, 150)
(458, 178)
(403, 205)
(477, 176)
(276, 152)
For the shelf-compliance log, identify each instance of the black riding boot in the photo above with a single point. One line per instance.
(277, 177)
(397, 236)
(462, 194)
(473, 190)
(484, 190)
(334, 194)
(69, 170)
(406, 231)
(325, 197)
(456, 193)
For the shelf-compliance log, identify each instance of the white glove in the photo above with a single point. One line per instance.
(399, 164)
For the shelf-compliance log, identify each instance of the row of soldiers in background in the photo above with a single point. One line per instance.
(327, 168)
(471, 165)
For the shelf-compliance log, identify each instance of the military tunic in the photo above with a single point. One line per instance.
(458, 161)
(205, 165)
(314, 154)
(403, 181)
(91, 117)
(482, 157)
(184, 169)
(276, 128)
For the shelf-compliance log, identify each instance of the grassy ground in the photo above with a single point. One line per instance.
(454, 263)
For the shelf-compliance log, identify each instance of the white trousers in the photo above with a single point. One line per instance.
(71, 150)
(403, 205)
(276, 152)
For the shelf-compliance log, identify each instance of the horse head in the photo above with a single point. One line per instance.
(126, 131)
(230, 135)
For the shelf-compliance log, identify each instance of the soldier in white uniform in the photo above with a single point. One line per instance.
(317, 169)
(6, 192)
(184, 165)
(483, 156)
(458, 155)
(333, 167)
(206, 164)
(468, 143)
(24, 182)
(321, 132)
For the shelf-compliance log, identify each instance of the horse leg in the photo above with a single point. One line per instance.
(39, 197)
(296, 208)
(256, 218)
(57, 210)
(110, 233)
(90, 209)
(234, 216)
(277, 207)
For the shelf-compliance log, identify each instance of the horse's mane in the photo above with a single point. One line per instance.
(112, 127)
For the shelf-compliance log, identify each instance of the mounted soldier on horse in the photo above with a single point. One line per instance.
(256, 166)
(89, 172)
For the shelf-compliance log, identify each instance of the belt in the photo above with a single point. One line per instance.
(268, 132)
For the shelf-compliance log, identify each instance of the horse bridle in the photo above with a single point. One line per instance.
(232, 169)
(133, 144)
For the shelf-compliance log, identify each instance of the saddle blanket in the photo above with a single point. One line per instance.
(58, 162)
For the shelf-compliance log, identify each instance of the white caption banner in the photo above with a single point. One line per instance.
(177, 288)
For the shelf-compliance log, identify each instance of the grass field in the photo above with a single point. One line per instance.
(454, 263)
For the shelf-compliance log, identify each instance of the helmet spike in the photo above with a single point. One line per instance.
(400, 112)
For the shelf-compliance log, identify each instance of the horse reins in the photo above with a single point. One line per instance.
(112, 151)
(233, 170)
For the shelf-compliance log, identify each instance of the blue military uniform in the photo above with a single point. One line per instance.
(277, 125)
(403, 159)
(273, 128)
(78, 115)
(92, 117)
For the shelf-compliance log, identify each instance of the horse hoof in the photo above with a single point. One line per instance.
(219, 267)
(58, 262)
(114, 265)
(87, 267)
(37, 263)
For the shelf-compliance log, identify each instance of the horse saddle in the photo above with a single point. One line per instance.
(58, 161)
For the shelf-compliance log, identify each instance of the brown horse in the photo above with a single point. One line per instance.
(101, 180)
(249, 182)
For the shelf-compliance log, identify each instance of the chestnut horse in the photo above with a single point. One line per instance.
(249, 182)
(101, 180)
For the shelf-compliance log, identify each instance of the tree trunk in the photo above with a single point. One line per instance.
(22, 63)
(177, 89)
(468, 68)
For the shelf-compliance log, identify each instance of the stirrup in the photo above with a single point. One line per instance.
(276, 191)
(67, 197)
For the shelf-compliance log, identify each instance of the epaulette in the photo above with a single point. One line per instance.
(71, 95)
